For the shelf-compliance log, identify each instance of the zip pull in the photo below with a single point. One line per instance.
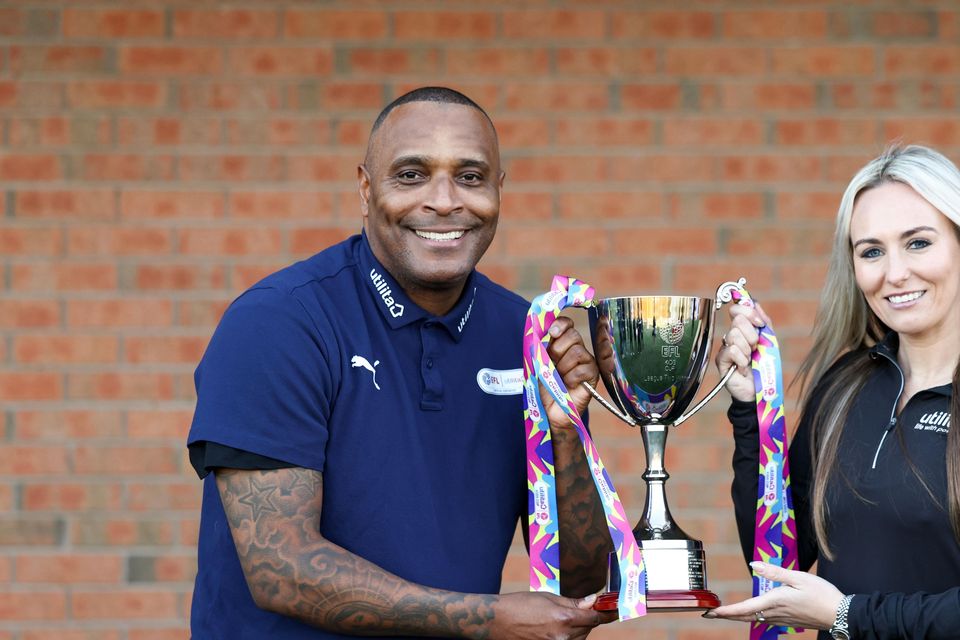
(890, 426)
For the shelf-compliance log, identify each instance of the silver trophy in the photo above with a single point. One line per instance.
(652, 352)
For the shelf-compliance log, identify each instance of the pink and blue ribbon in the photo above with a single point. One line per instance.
(541, 482)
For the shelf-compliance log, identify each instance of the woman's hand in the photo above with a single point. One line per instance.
(738, 345)
(802, 600)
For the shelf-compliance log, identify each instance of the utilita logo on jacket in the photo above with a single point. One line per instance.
(938, 421)
(386, 293)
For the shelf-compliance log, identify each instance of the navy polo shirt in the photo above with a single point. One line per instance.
(415, 421)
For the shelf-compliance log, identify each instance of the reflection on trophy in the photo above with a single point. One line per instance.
(652, 352)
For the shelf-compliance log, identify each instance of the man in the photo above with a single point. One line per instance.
(362, 416)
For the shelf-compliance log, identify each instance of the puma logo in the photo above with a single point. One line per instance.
(360, 361)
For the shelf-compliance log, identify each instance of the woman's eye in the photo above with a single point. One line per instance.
(918, 243)
(872, 252)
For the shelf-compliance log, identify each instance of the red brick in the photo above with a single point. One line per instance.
(517, 132)
(948, 25)
(129, 312)
(63, 277)
(123, 167)
(323, 167)
(107, 23)
(342, 25)
(67, 424)
(120, 386)
(39, 132)
(155, 349)
(826, 131)
(196, 313)
(64, 634)
(830, 61)
(661, 168)
(156, 132)
(23, 386)
(650, 96)
(65, 349)
(237, 24)
(171, 204)
(178, 61)
(939, 132)
(127, 604)
(245, 276)
(286, 61)
(555, 169)
(525, 206)
(77, 203)
(559, 23)
(114, 460)
(97, 531)
(804, 276)
(705, 132)
(310, 241)
(266, 205)
(280, 130)
(560, 242)
(88, 241)
(29, 313)
(30, 241)
(29, 167)
(596, 60)
(176, 633)
(149, 424)
(661, 242)
(903, 24)
(716, 61)
(164, 497)
(225, 242)
(226, 96)
(778, 242)
(672, 25)
(6, 506)
(694, 276)
(395, 61)
(28, 461)
(604, 132)
(32, 605)
(444, 25)
(69, 569)
(816, 205)
(557, 96)
(11, 22)
(768, 96)
(767, 168)
(499, 61)
(179, 277)
(72, 497)
(58, 59)
(732, 206)
(774, 24)
(352, 95)
(622, 279)
(235, 168)
(606, 205)
(9, 92)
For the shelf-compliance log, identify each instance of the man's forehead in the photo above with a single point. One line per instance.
(428, 128)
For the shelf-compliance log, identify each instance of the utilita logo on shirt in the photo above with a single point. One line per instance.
(938, 422)
(386, 294)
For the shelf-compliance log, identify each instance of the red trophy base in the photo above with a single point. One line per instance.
(665, 601)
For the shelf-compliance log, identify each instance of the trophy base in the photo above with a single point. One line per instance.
(676, 577)
(665, 601)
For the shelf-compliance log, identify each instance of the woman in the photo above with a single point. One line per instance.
(875, 464)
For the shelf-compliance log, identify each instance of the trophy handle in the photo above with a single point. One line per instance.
(724, 294)
(609, 407)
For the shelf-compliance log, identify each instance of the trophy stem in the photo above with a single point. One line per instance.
(656, 523)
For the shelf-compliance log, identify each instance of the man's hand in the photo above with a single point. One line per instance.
(574, 364)
(802, 600)
(536, 616)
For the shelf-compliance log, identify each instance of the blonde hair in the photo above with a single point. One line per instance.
(845, 322)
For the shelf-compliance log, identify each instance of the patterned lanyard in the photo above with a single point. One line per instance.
(775, 532)
(541, 483)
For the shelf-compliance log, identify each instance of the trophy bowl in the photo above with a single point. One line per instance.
(652, 353)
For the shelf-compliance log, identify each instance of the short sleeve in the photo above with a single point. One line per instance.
(264, 384)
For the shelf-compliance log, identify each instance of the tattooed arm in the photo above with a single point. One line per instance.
(292, 570)
(585, 539)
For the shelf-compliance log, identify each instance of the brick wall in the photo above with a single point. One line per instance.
(158, 157)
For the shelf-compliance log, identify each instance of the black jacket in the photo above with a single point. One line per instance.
(892, 542)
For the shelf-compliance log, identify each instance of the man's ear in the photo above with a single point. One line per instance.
(363, 186)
